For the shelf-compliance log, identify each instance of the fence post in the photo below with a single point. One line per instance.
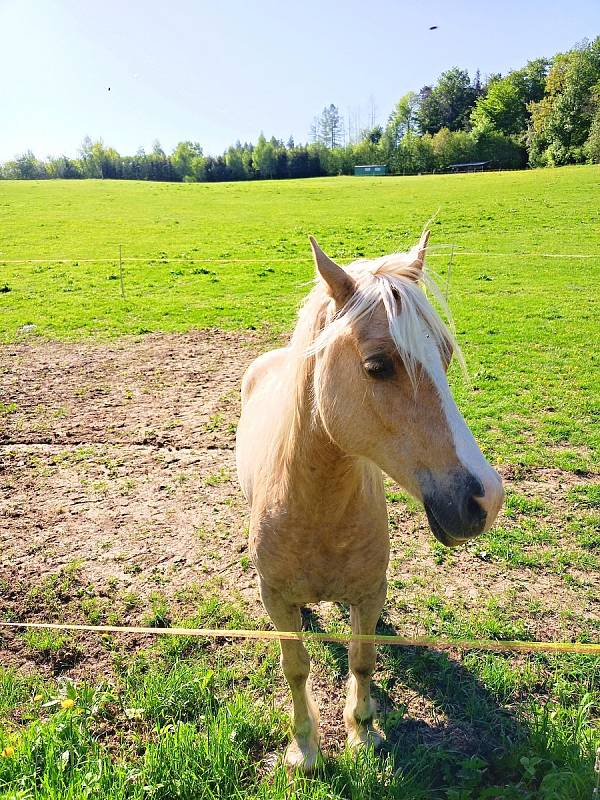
(121, 271)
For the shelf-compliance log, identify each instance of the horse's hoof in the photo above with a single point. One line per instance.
(301, 755)
(362, 732)
(364, 735)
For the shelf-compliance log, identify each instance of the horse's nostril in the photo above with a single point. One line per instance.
(476, 514)
(474, 507)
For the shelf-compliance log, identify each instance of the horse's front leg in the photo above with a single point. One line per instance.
(304, 747)
(360, 707)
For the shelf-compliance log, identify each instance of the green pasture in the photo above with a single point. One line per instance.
(524, 283)
(251, 238)
(184, 719)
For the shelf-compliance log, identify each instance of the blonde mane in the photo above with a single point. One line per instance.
(398, 282)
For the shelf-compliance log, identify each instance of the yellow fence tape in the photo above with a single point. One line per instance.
(341, 638)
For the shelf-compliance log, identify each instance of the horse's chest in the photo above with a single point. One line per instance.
(307, 566)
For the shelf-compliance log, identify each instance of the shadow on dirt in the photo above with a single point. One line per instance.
(429, 700)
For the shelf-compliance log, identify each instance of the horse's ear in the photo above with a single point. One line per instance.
(340, 285)
(421, 249)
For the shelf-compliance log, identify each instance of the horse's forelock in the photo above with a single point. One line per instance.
(398, 283)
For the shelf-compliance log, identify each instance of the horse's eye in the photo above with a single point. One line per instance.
(379, 367)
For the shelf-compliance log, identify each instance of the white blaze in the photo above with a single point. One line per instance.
(466, 448)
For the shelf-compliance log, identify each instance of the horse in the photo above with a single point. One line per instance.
(360, 390)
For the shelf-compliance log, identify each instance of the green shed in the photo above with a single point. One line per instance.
(370, 169)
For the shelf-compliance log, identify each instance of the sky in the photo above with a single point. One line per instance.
(134, 72)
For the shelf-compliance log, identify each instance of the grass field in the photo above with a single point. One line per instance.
(236, 255)
(182, 719)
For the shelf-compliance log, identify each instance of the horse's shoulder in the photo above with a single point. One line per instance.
(260, 367)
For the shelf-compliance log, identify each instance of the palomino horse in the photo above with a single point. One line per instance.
(361, 388)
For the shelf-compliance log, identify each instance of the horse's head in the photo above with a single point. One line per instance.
(382, 393)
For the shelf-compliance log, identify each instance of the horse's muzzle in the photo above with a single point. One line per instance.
(453, 504)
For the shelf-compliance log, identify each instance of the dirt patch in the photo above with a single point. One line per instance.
(117, 472)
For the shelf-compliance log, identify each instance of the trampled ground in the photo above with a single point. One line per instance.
(119, 502)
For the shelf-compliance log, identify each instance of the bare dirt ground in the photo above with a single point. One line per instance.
(117, 467)
(119, 502)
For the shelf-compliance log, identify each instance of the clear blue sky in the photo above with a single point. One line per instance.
(214, 72)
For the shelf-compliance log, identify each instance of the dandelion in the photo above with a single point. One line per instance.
(38, 698)
(67, 703)
(8, 752)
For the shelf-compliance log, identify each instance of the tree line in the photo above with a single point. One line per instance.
(545, 114)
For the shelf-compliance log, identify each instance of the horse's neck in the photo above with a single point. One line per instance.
(319, 476)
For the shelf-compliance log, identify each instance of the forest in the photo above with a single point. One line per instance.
(547, 113)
